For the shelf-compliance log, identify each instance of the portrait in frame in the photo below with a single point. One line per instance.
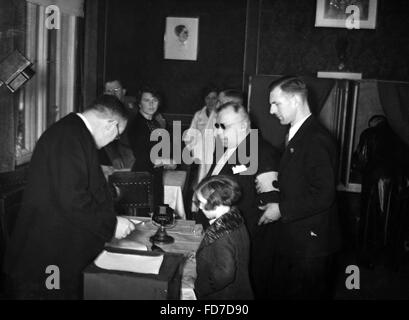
(181, 38)
(340, 13)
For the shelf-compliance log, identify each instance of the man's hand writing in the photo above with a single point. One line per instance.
(123, 227)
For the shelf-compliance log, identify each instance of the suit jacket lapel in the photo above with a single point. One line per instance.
(234, 159)
(292, 146)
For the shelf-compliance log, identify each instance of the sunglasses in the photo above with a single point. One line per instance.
(223, 126)
(220, 125)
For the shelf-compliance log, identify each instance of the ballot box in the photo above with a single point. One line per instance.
(103, 284)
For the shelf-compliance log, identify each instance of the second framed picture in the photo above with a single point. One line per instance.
(181, 38)
(339, 13)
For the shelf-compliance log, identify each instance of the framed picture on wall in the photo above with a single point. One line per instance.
(351, 14)
(181, 38)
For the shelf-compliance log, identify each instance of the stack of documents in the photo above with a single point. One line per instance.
(129, 262)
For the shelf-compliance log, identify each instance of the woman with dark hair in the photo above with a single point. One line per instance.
(222, 259)
(139, 132)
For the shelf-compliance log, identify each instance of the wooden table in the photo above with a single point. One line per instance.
(187, 237)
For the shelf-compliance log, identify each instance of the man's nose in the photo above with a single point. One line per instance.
(273, 109)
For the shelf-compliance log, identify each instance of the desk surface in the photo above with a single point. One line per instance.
(186, 242)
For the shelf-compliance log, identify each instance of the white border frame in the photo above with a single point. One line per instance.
(321, 21)
(172, 49)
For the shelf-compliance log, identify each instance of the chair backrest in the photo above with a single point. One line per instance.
(133, 192)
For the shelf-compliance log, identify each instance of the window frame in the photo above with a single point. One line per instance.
(34, 97)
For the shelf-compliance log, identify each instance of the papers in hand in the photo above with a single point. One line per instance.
(129, 262)
(265, 181)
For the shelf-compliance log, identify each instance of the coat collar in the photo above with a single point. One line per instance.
(292, 145)
(302, 130)
(224, 225)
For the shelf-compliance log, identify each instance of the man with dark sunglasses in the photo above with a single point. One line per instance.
(243, 156)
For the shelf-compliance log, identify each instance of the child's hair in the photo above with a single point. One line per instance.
(219, 190)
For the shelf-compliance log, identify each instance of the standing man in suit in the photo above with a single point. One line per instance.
(307, 230)
(244, 156)
(67, 214)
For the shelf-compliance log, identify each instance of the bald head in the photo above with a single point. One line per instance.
(232, 124)
(230, 96)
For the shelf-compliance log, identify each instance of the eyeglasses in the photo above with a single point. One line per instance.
(118, 135)
(113, 90)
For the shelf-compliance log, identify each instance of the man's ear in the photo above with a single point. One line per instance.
(124, 92)
(245, 125)
(298, 100)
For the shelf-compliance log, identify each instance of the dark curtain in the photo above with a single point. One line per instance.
(7, 135)
(395, 103)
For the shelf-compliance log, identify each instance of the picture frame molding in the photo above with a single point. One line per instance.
(192, 53)
(321, 21)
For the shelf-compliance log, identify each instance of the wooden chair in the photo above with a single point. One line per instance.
(133, 193)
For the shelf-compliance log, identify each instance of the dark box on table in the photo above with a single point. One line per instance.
(102, 284)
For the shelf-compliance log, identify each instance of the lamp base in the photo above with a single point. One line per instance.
(161, 236)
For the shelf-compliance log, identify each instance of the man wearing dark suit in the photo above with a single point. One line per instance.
(307, 230)
(242, 154)
(67, 213)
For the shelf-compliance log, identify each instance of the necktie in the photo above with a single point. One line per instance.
(286, 139)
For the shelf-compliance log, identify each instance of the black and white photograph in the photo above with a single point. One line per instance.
(245, 151)
(181, 38)
(335, 13)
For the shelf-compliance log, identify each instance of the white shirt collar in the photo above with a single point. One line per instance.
(296, 127)
(212, 221)
(87, 124)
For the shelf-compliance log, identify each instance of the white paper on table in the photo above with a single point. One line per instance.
(129, 262)
(128, 244)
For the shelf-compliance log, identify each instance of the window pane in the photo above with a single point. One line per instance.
(50, 94)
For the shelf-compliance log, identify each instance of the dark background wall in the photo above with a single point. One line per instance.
(289, 42)
(134, 48)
